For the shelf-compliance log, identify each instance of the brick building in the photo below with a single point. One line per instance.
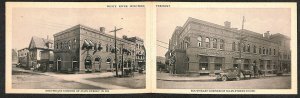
(40, 52)
(200, 47)
(81, 49)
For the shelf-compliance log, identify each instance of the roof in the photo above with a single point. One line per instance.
(37, 42)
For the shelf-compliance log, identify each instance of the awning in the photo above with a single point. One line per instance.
(85, 44)
(91, 43)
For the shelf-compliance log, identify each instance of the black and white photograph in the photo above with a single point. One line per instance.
(78, 48)
(223, 48)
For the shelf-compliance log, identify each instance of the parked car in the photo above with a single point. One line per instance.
(229, 74)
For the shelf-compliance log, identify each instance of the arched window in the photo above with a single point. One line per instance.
(264, 51)
(259, 50)
(199, 41)
(207, 42)
(270, 51)
(244, 47)
(69, 44)
(74, 44)
(254, 49)
(214, 43)
(233, 46)
(248, 48)
(274, 52)
(221, 44)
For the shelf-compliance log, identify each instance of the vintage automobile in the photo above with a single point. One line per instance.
(229, 74)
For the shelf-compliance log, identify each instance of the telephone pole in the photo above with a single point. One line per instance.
(116, 58)
(241, 38)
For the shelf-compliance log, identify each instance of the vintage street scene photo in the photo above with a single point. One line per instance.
(223, 48)
(78, 48)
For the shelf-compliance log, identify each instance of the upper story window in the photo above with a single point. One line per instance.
(61, 45)
(56, 45)
(239, 46)
(233, 46)
(214, 43)
(270, 51)
(254, 49)
(267, 51)
(199, 41)
(248, 48)
(221, 44)
(207, 42)
(274, 52)
(259, 50)
(244, 47)
(264, 51)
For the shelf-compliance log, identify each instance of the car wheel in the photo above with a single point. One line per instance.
(224, 78)
(237, 78)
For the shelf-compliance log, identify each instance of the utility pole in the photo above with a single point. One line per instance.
(122, 65)
(116, 58)
(241, 38)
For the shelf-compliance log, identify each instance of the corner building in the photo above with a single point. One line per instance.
(204, 48)
(82, 49)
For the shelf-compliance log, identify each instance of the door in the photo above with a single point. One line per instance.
(58, 64)
(97, 64)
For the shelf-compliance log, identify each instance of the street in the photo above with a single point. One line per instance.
(22, 80)
(27, 79)
(276, 82)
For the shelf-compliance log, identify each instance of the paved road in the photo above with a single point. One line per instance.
(279, 82)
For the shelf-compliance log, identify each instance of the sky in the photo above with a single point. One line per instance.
(43, 22)
(259, 20)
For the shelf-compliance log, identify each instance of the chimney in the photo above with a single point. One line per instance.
(227, 24)
(267, 34)
(102, 29)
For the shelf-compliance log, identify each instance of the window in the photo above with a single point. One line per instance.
(259, 50)
(248, 48)
(267, 51)
(186, 45)
(254, 49)
(207, 42)
(199, 41)
(270, 51)
(214, 43)
(239, 46)
(233, 46)
(221, 44)
(218, 66)
(274, 52)
(61, 45)
(74, 43)
(56, 45)
(244, 47)
(264, 50)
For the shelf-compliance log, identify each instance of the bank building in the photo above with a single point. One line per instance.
(204, 48)
(81, 49)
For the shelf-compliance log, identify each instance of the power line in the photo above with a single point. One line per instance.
(162, 42)
(162, 46)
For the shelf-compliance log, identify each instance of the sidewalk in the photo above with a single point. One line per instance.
(80, 78)
(168, 77)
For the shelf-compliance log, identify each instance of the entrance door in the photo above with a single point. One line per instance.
(58, 64)
(97, 64)
(88, 64)
(75, 65)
